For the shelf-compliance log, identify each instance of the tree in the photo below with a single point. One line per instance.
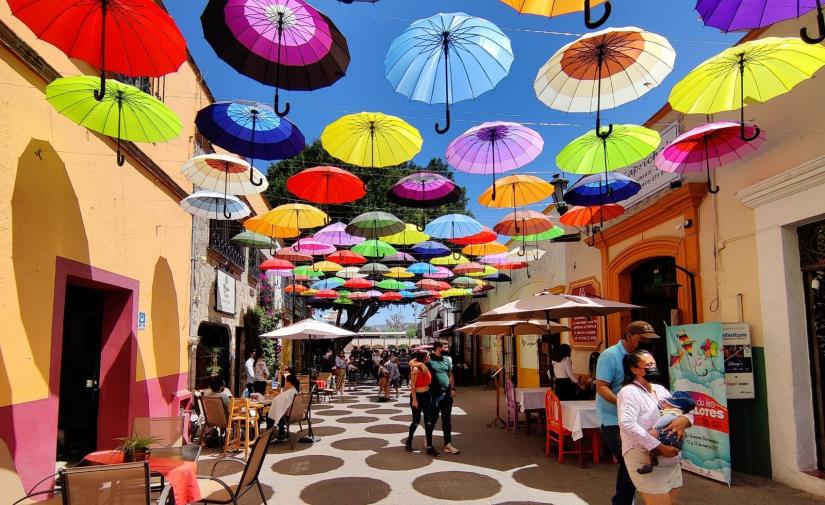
(396, 321)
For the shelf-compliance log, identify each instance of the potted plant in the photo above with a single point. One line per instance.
(136, 447)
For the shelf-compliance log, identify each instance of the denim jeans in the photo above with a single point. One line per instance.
(442, 404)
(625, 490)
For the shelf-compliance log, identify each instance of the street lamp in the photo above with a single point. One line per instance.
(671, 290)
(559, 187)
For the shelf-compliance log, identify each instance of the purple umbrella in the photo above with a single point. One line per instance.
(424, 190)
(736, 15)
(399, 258)
(336, 235)
(497, 145)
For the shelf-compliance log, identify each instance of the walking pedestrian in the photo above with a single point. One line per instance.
(420, 400)
(341, 365)
(610, 375)
(249, 370)
(395, 375)
(442, 391)
(404, 366)
(383, 381)
(261, 374)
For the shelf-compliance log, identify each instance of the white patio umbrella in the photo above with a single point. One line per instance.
(519, 327)
(548, 306)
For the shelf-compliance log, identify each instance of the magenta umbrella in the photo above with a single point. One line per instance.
(335, 234)
(313, 247)
(424, 190)
(708, 146)
(440, 273)
(497, 145)
(735, 15)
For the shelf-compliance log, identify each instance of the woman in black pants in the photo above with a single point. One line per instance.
(420, 400)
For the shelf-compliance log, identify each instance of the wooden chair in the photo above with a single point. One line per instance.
(303, 379)
(243, 422)
(214, 416)
(11, 486)
(124, 484)
(512, 420)
(214, 490)
(169, 430)
(556, 432)
(327, 378)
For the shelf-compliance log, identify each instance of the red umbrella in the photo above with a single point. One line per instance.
(131, 37)
(357, 283)
(290, 254)
(390, 296)
(345, 257)
(358, 296)
(482, 237)
(432, 285)
(326, 293)
(297, 288)
(523, 222)
(587, 216)
(276, 264)
(512, 266)
(326, 185)
(425, 301)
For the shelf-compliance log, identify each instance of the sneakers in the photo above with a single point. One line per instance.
(432, 452)
(449, 448)
(408, 447)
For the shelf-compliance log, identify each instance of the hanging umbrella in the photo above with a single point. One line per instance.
(484, 249)
(600, 189)
(306, 271)
(327, 267)
(430, 249)
(328, 294)
(466, 268)
(374, 225)
(390, 296)
(406, 294)
(455, 293)
(399, 273)
(498, 145)
(308, 293)
(391, 284)
(408, 236)
(331, 283)
(424, 190)
(137, 38)
(290, 216)
(526, 254)
(515, 191)
(335, 234)
(276, 264)
(421, 268)
(310, 246)
(290, 254)
(498, 277)
(587, 216)
(283, 43)
(358, 283)
(482, 237)
(554, 232)
(350, 273)
(450, 260)
(748, 73)
(408, 285)
(736, 15)
(488, 270)
(374, 249)
(345, 257)
(514, 266)
(215, 206)
(371, 139)
(295, 288)
(591, 154)
(553, 8)
(707, 146)
(326, 185)
(399, 258)
(482, 288)
(216, 172)
(425, 293)
(448, 58)
(252, 240)
(523, 222)
(374, 269)
(442, 273)
(250, 129)
(359, 297)
(123, 113)
(343, 301)
(603, 70)
(432, 285)
(452, 226)
(498, 260)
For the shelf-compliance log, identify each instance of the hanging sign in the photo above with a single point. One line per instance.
(585, 332)
(225, 293)
(736, 338)
(645, 172)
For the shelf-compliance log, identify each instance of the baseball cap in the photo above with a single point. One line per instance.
(642, 328)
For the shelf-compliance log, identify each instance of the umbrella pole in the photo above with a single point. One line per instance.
(445, 43)
(494, 171)
(252, 150)
(278, 68)
(121, 159)
(711, 189)
(226, 212)
(310, 437)
(600, 59)
(99, 94)
(757, 131)
(497, 420)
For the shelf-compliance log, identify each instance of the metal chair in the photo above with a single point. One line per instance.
(214, 490)
(124, 484)
(214, 416)
(168, 430)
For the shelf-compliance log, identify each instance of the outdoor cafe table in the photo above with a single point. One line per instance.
(579, 415)
(530, 398)
(169, 462)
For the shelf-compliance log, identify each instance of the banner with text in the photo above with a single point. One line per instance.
(697, 367)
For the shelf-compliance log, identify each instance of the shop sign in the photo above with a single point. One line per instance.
(141, 321)
(645, 172)
(585, 332)
(225, 293)
(736, 338)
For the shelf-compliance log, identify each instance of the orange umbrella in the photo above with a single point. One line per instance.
(482, 237)
(295, 288)
(523, 222)
(466, 268)
(588, 216)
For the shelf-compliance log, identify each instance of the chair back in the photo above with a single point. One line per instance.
(124, 484)
(237, 407)
(297, 412)
(168, 430)
(9, 479)
(303, 379)
(214, 411)
(256, 460)
(510, 393)
(552, 410)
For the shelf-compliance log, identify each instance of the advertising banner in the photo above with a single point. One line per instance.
(738, 361)
(697, 367)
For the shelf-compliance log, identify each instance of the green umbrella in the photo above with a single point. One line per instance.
(465, 282)
(343, 293)
(391, 284)
(307, 271)
(251, 239)
(554, 232)
(375, 225)
(374, 249)
(125, 112)
(343, 301)
(591, 154)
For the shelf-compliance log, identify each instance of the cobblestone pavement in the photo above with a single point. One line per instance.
(360, 460)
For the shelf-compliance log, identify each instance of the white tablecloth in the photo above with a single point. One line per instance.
(530, 398)
(578, 416)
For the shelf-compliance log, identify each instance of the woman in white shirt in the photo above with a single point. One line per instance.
(565, 380)
(638, 404)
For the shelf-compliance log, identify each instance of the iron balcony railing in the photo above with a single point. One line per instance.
(219, 234)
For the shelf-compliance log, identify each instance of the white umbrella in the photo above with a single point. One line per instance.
(520, 327)
(215, 206)
(548, 306)
(309, 329)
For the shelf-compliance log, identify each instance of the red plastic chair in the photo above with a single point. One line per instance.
(556, 432)
(512, 407)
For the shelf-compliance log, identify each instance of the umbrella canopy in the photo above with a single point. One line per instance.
(587, 216)
(448, 58)
(350, 273)
(554, 232)
(327, 267)
(222, 172)
(371, 139)
(487, 271)
(400, 258)
(374, 249)
(137, 38)
(343, 301)
(455, 293)
(399, 273)
(421, 268)
(290, 254)
(336, 234)
(276, 264)
(465, 282)
(291, 216)
(306, 271)
(123, 113)
(374, 225)
(328, 294)
(391, 284)
(430, 249)
(484, 236)
(310, 246)
(283, 43)
(295, 288)
(358, 283)
(736, 15)
(345, 257)
(548, 306)
(390, 296)
(484, 249)
(526, 254)
(592, 154)
(497, 145)
(425, 294)
(603, 70)
(467, 268)
(432, 285)
(442, 273)
(359, 297)
(259, 225)
(450, 260)
(520, 327)
(523, 222)
(408, 236)
(307, 293)
(374, 269)
(553, 8)
(481, 288)
(513, 266)
(326, 284)
(498, 277)
(326, 185)
(515, 191)
(750, 72)
(451, 226)
(252, 240)
(213, 205)
(424, 190)
(598, 189)
(374, 293)
(309, 329)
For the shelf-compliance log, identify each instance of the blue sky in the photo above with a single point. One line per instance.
(370, 28)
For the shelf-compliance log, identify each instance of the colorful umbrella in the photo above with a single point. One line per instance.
(358, 283)
(295, 215)
(514, 266)
(399, 273)
(374, 225)
(326, 185)
(335, 234)
(432, 285)
(213, 205)
(587, 216)
(345, 257)
(707, 146)
(283, 43)
(390, 296)
(450, 260)
(295, 288)
(498, 277)
(488, 270)
(523, 222)
(327, 267)
(252, 240)
(220, 171)
(495, 259)
(371, 139)
(343, 301)
(374, 249)
(306, 271)
(290, 254)
(137, 38)
(391, 284)
(452, 226)
(424, 190)
(516, 190)
(422, 268)
(374, 269)
(308, 293)
(442, 273)
(399, 258)
(313, 247)
(751, 72)
(554, 232)
(455, 292)
(408, 236)
(425, 293)
(599, 189)
(482, 288)
(502, 145)
(328, 294)
(350, 273)
(276, 264)
(359, 297)
(263, 226)
(603, 70)
(331, 283)
(250, 129)
(592, 154)
(482, 237)
(473, 53)
(736, 15)
(553, 8)
(430, 249)
(123, 112)
(484, 249)
(526, 254)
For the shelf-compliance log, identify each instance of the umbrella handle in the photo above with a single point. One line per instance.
(603, 134)
(252, 177)
(588, 21)
(438, 128)
(100, 93)
(742, 134)
(820, 21)
(281, 113)
(226, 212)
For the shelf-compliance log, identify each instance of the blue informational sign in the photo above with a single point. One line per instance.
(141, 320)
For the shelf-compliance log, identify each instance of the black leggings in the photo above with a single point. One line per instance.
(424, 405)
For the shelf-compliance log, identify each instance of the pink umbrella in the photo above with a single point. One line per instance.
(313, 247)
(496, 259)
(440, 273)
(335, 234)
(708, 146)
(374, 293)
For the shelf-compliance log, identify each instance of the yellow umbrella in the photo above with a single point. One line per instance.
(409, 236)
(516, 190)
(454, 292)
(308, 292)
(450, 260)
(553, 8)
(289, 216)
(258, 224)
(327, 267)
(488, 270)
(399, 273)
(484, 249)
(371, 139)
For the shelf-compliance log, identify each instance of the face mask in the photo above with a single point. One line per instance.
(651, 373)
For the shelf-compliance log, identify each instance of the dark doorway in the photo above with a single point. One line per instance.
(79, 373)
(544, 360)
(212, 354)
(647, 281)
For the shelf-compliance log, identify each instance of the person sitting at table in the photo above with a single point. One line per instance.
(281, 403)
(217, 387)
(566, 381)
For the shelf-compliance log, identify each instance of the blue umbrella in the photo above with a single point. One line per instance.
(448, 58)
(430, 249)
(250, 129)
(331, 283)
(406, 294)
(453, 226)
(408, 285)
(601, 189)
(422, 268)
